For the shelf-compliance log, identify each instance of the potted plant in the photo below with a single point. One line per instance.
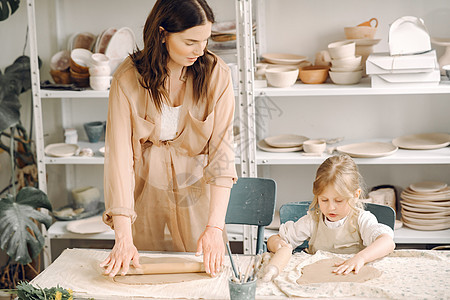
(20, 201)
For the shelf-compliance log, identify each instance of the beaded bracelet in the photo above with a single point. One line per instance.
(212, 226)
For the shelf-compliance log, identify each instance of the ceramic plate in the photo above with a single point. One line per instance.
(103, 40)
(426, 221)
(424, 215)
(83, 215)
(423, 141)
(427, 227)
(368, 150)
(283, 58)
(421, 210)
(122, 43)
(428, 186)
(285, 140)
(265, 147)
(61, 150)
(88, 226)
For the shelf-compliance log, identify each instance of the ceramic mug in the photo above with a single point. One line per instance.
(94, 130)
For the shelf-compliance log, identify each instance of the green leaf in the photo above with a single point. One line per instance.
(20, 237)
(7, 8)
(16, 80)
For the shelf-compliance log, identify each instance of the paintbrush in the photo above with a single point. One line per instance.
(233, 266)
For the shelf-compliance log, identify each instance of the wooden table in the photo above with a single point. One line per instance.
(407, 274)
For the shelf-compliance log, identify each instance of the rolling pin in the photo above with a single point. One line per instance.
(167, 268)
(277, 263)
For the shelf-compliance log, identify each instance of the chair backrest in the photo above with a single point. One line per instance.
(252, 202)
(385, 214)
(295, 210)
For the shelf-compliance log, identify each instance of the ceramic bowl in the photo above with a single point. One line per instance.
(346, 77)
(342, 49)
(100, 83)
(60, 61)
(314, 74)
(281, 76)
(80, 60)
(79, 79)
(60, 77)
(349, 62)
(314, 146)
(360, 32)
(345, 69)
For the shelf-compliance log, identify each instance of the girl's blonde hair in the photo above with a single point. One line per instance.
(342, 173)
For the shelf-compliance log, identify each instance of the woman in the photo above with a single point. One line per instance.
(169, 161)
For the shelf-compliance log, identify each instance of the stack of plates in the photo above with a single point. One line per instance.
(282, 143)
(426, 206)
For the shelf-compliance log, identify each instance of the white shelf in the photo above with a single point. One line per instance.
(88, 93)
(406, 235)
(402, 156)
(235, 234)
(362, 88)
(58, 231)
(97, 159)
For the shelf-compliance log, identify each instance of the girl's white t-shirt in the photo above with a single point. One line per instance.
(170, 116)
(369, 228)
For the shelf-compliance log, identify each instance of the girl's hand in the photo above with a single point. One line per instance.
(212, 246)
(120, 257)
(355, 263)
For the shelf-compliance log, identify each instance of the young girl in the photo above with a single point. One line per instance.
(336, 221)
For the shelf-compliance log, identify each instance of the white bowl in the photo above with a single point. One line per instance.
(281, 76)
(345, 69)
(314, 146)
(342, 49)
(349, 62)
(346, 77)
(100, 83)
(81, 56)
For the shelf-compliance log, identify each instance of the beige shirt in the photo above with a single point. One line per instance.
(137, 163)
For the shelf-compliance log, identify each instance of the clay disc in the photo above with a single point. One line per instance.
(161, 278)
(322, 271)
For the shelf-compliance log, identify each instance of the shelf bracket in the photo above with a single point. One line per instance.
(245, 51)
(37, 112)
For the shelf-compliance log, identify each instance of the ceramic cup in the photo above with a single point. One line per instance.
(314, 146)
(86, 197)
(242, 291)
(94, 131)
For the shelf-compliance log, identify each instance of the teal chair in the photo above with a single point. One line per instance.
(295, 210)
(252, 202)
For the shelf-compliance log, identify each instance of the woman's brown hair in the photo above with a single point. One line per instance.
(151, 62)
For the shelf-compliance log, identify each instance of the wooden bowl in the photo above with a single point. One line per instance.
(61, 77)
(314, 74)
(79, 79)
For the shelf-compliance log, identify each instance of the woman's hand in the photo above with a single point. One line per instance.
(355, 263)
(212, 246)
(123, 251)
(121, 255)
